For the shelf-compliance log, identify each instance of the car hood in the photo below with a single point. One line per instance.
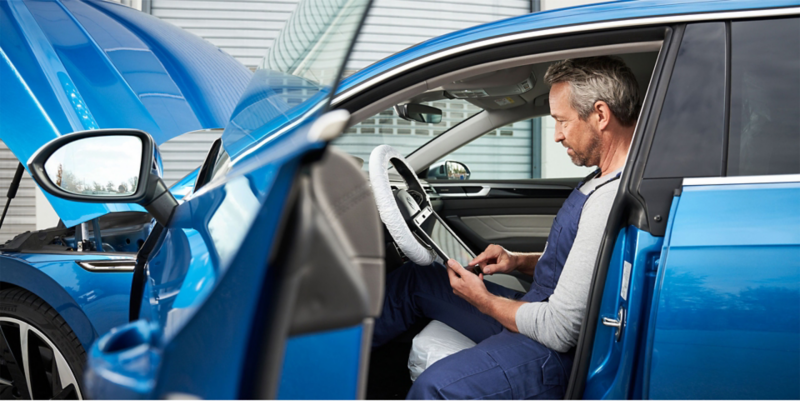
(77, 65)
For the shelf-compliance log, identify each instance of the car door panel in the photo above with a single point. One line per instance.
(514, 214)
(727, 304)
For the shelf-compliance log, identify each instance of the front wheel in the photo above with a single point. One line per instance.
(40, 356)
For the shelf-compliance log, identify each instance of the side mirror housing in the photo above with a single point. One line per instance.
(419, 113)
(449, 170)
(104, 166)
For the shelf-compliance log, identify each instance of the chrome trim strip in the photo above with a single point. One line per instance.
(108, 266)
(747, 179)
(562, 30)
(483, 192)
(506, 186)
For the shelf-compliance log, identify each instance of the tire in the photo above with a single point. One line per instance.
(54, 356)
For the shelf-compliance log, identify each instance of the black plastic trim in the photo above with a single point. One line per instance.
(139, 278)
(204, 175)
(645, 135)
(726, 110)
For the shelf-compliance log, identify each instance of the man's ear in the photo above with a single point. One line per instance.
(603, 114)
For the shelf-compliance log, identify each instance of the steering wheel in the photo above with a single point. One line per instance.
(402, 214)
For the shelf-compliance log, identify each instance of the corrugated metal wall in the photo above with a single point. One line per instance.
(22, 213)
(392, 26)
(243, 28)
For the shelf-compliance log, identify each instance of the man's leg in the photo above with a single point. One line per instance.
(414, 292)
(504, 366)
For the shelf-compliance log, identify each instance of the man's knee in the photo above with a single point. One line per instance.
(426, 387)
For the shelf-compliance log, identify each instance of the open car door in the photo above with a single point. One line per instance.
(259, 286)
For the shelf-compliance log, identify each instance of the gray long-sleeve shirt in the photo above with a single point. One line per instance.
(556, 323)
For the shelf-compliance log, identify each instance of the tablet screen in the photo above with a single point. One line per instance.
(449, 243)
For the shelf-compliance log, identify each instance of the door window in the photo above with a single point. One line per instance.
(691, 126)
(765, 97)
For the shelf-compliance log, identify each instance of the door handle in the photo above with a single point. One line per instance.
(619, 323)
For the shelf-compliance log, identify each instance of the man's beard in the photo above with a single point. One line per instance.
(590, 156)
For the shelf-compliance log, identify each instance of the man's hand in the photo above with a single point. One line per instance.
(467, 285)
(470, 287)
(496, 259)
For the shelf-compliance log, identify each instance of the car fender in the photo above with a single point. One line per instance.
(23, 275)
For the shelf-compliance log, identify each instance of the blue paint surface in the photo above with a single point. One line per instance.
(322, 366)
(90, 302)
(727, 323)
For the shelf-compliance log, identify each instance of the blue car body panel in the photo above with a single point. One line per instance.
(91, 303)
(77, 65)
(636, 255)
(726, 318)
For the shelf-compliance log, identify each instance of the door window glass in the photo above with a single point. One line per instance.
(765, 98)
(690, 129)
(297, 76)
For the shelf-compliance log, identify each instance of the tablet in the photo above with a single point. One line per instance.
(449, 243)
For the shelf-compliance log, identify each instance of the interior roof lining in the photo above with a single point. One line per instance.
(436, 82)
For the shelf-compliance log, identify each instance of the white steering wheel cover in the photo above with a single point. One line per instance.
(388, 209)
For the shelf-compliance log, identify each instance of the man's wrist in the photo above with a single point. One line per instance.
(485, 303)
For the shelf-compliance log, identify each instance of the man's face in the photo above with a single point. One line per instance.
(580, 137)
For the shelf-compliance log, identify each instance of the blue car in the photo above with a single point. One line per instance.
(265, 282)
(74, 66)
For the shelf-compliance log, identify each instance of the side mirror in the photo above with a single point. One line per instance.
(104, 166)
(449, 170)
(419, 113)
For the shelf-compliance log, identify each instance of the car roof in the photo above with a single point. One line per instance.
(558, 18)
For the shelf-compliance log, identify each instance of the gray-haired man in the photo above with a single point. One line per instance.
(525, 340)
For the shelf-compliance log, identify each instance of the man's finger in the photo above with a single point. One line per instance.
(453, 269)
(479, 259)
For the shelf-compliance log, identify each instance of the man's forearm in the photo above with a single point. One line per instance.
(526, 262)
(504, 310)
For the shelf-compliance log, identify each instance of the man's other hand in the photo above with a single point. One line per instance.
(467, 285)
(496, 259)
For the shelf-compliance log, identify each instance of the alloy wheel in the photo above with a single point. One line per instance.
(31, 366)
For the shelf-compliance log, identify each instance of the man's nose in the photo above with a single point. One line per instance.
(559, 136)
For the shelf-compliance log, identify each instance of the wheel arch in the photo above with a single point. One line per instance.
(14, 273)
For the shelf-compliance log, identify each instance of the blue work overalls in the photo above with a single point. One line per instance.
(503, 365)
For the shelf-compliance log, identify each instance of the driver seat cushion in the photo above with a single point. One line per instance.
(438, 340)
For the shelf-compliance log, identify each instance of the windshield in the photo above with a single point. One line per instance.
(298, 73)
(406, 136)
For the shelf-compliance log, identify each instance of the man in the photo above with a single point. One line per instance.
(525, 341)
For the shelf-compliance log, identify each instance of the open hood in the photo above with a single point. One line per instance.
(75, 65)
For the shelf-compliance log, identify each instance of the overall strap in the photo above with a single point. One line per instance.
(614, 178)
(591, 175)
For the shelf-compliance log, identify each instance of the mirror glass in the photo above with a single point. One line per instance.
(420, 113)
(97, 166)
(449, 170)
(456, 170)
